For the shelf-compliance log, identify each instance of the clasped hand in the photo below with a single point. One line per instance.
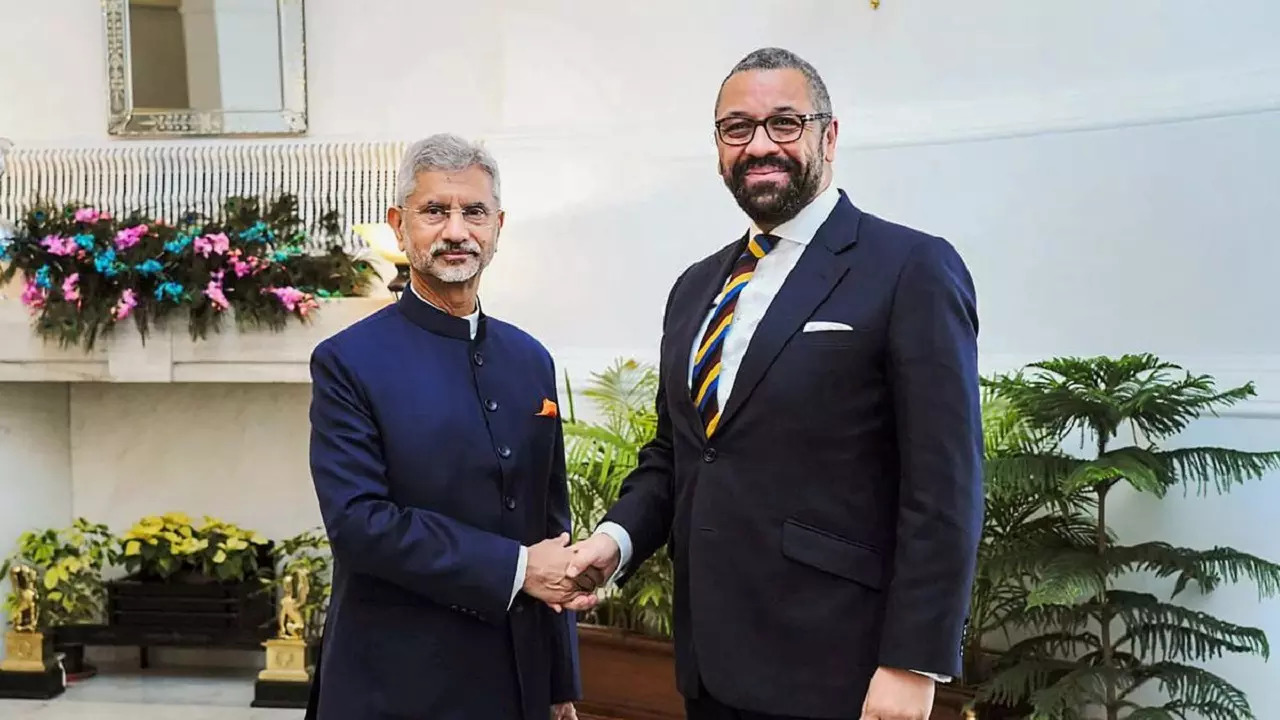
(566, 576)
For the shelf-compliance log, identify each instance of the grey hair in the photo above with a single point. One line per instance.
(772, 58)
(444, 152)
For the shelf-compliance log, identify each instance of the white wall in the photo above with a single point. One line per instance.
(35, 464)
(1107, 169)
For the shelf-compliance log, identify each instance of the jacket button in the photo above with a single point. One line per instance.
(491, 405)
(709, 455)
(510, 502)
(504, 451)
(478, 358)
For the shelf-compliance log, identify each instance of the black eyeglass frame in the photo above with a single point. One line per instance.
(803, 118)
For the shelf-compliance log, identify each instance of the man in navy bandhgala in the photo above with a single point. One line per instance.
(437, 457)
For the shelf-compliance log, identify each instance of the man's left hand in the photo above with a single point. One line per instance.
(898, 695)
(564, 711)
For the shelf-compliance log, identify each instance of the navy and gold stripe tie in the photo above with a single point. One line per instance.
(706, 362)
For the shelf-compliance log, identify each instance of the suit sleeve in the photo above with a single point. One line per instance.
(566, 685)
(646, 502)
(933, 367)
(439, 558)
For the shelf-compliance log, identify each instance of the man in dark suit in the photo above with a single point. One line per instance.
(437, 457)
(816, 471)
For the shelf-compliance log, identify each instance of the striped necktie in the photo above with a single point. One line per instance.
(706, 362)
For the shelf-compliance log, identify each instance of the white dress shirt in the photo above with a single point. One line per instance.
(523, 562)
(770, 273)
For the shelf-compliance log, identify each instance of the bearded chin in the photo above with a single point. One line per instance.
(775, 203)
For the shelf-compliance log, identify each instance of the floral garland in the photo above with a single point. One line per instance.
(87, 271)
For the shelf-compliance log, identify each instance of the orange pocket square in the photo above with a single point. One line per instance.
(549, 409)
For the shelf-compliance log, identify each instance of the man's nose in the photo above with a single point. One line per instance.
(455, 228)
(761, 144)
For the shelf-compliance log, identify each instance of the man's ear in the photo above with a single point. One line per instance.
(394, 218)
(829, 141)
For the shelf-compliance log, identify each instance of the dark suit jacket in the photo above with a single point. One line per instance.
(432, 467)
(830, 526)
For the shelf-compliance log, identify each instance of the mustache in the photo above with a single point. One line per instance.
(780, 164)
(441, 247)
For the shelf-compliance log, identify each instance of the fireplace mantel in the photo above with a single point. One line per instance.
(170, 355)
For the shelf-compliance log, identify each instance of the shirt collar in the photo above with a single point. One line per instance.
(804, 226)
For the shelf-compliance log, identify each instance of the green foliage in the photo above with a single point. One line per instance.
(599, 456)
(87, 272)
(308, 551)
(1024, 517)
(1089, 645)
(71, 560)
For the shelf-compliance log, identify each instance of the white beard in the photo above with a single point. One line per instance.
(430, 264)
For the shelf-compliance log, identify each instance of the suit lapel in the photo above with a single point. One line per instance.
(685, 328)
(809, 283)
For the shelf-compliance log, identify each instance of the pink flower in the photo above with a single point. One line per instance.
(58, 245)
(294, 300)
(216, 244)
(128, 301)
(238, 266)
(32, 296)
(70, 287)
(104, 216)
(129, 237)
(215, 294)
(87, 215)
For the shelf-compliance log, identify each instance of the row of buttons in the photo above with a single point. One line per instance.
(504, 452)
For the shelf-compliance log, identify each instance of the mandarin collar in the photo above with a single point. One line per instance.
(434, 320)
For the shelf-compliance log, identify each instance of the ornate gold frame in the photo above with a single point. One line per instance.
(128, 121)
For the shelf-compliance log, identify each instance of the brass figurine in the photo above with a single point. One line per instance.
(26, 615)
(292, 623)
(27, 650)
(287, 652)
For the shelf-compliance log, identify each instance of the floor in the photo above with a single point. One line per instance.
(156, 694)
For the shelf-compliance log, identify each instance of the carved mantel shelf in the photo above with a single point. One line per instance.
(170, 355)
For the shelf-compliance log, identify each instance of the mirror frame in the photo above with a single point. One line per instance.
(127, 121)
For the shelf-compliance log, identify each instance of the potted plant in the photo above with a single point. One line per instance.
(200, 583)
(627, 659)
(71, 560)
(1094, 648)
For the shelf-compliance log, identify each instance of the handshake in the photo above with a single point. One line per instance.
(565, 576)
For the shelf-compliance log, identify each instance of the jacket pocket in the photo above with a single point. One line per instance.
(833, 554)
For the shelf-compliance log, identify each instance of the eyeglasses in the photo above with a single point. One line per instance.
(780, 128)
(474, 215)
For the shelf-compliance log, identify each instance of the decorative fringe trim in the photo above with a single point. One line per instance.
(355, 178)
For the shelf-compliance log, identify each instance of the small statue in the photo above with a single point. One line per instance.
(27, 613)
(292, 623)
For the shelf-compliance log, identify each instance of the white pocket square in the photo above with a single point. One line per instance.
(820, 325)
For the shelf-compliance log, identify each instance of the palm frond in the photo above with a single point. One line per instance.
(1194, 687)
(1221, 468)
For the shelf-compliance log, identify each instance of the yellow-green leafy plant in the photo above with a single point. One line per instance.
(170, 546)
(70, 561)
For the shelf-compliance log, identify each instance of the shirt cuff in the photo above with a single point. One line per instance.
(935, 676)
(522, 565)
(623, 538)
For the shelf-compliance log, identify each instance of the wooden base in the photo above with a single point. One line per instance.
(627, 676)
(43, 685)
(276, 694)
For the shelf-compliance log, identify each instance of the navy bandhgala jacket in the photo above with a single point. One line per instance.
(434, 459)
